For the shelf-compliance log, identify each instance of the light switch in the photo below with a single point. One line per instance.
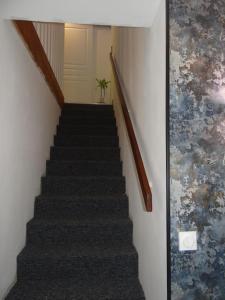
(188, 241)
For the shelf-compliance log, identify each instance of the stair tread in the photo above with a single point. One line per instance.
(88, 105)
(90, 109)
(70, 122)
(88, 136)
(72, 133)
(89, 112)
(87, 115)
(128, 289)
(93, 177)
(86, 148)
(64, 122)
(84, 161)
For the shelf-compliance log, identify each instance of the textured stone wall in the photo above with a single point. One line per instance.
(197, 146)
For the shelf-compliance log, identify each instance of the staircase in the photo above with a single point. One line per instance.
(79, 243)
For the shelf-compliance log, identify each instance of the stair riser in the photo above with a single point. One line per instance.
(86, 141)
(90, 208)
(85, 154)
(77, 235)
(88, 114)
(86, 131)
(50, 211)
(79, 268)
(87, 107)
(85, 121)
(83, 126)
(53, 186)
(83, 169)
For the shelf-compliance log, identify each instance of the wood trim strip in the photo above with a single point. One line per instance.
(30, 37)
(145, 187)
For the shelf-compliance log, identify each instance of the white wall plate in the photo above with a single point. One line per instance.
(188, 241)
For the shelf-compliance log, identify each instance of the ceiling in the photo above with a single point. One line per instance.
(138, 13)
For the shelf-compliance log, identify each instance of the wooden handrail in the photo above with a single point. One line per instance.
(30, 37)
(145, 187)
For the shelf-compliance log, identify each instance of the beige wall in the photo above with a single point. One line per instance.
(52, 38)
(28, 118)
(140, 55)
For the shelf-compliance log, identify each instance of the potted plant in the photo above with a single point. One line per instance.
(103, 85)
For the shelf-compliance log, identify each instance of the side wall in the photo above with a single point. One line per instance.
(197, 146)
(28, 118)
(52, 38)
(140, 55)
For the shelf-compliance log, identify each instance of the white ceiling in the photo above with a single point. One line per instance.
(139, 13)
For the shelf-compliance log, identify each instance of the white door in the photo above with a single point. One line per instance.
(78, 64)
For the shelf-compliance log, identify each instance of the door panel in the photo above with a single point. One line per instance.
(78, 63)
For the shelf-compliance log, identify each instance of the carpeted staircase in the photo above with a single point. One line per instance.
(79, 243)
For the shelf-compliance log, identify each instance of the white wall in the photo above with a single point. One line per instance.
(140, 55)
(117, 12)
(28, 118)
(51, 36)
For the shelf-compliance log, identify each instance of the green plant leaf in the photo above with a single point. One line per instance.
(102, 83)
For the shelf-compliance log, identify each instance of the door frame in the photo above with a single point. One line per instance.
(168, 213)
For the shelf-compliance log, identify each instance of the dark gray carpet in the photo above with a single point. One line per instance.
(79, 243)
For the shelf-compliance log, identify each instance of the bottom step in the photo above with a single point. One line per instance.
(128, 289)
